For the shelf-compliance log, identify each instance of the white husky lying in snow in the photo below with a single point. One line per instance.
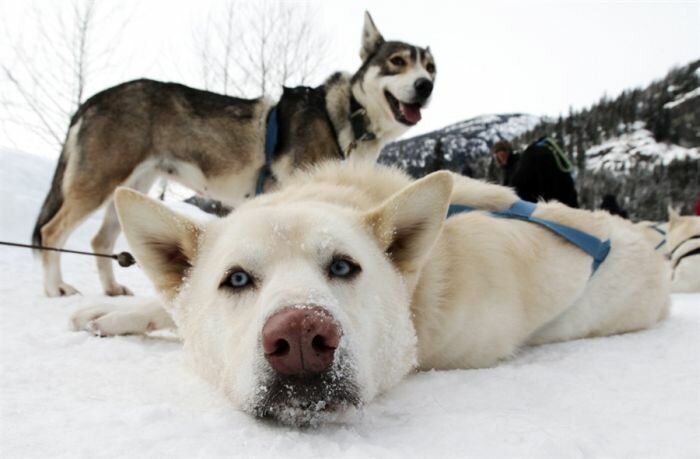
(306, 301)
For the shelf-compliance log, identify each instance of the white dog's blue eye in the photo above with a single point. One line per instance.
(239, 279)
(341, 267)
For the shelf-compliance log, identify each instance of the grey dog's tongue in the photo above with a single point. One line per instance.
(411, 112)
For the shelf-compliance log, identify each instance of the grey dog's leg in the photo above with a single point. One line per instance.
(103, 242)
(106, 237)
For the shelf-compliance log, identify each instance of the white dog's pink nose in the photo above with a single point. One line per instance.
(300, 341)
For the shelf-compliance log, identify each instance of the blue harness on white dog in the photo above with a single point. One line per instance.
(522, 210)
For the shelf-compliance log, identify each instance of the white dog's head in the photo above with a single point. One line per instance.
(395, 80)
(295, 307)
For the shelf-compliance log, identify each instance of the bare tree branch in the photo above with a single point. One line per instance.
(33, 105)
(51, 70)
(255, 48)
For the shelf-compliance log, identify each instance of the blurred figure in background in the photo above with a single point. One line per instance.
(505, 158)
(438, 158)
(542, 171)
(467, 170)
(610, 204)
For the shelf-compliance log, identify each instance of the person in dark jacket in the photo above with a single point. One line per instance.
(610, 204)
(506, 159)
(542, 171)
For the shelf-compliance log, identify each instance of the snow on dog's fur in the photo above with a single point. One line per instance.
(371, 254)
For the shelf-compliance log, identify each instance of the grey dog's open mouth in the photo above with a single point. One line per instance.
(408, 114)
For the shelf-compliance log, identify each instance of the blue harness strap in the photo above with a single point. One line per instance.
(271, 128)
(656, 228)
(522, 210)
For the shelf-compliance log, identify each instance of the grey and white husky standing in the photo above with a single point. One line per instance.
(131, 134)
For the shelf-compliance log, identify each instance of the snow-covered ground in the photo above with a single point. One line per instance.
(68, 394)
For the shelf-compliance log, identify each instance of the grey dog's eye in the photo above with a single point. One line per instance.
(398, 61)
(343, 267)
(238, 279)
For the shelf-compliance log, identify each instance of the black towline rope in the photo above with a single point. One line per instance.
(125, 259)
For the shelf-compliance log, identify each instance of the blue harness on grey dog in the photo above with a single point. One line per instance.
(522, 210)
(271, 129)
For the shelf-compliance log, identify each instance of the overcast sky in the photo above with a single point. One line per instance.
(492, 56)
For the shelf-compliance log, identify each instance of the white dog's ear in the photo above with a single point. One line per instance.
(371, 38)
(672, 214)
(163, 242)
(408, 223)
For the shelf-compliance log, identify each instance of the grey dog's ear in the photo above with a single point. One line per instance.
(371, 38)
(163, 242)
(407, 224)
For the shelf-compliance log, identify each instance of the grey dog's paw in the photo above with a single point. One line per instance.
(61, 289)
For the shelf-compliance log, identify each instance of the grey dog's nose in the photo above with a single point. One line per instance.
(300, 341)
(424, 87)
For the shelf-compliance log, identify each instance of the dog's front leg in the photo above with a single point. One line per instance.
(113, 319)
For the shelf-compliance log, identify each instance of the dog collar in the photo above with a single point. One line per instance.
(676, 260)
(675, 249)
(359, 123)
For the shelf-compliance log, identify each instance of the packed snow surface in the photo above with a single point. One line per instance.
(68, 394)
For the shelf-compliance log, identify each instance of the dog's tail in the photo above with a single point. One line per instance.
(54, 198)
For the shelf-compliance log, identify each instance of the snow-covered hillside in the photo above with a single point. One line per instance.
(645, 175)
(68, 394)
(635, 150)
(463, 142)
(683, 98)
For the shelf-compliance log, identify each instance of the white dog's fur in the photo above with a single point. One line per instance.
(432, 293)
(677, 234)
(681, 229)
